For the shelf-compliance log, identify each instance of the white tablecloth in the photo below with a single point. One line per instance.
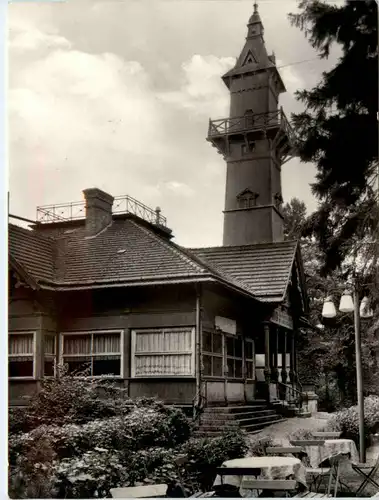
(331, 448)
(271, 468)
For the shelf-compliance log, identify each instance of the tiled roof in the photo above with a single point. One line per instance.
(125, 251)
(128, 252)
(263, 268)
(33, 251)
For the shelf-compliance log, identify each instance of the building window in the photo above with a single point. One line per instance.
(247, 148)
(248, 199)
(234, 357)
(212, 354)
(50, 351)
(21, 355)
(163, 352)
(249, 359)
(98, 352)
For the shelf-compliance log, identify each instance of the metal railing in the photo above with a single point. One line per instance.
(302, 397)
(261, 121)
(76, 210)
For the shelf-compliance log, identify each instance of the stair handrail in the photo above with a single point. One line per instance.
(303, 397)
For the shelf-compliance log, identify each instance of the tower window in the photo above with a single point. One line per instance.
(247, 199)
(247, 148)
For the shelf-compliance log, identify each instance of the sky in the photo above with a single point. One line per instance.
(117, 94)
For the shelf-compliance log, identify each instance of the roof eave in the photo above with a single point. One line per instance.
(71, 286)
(23, 273)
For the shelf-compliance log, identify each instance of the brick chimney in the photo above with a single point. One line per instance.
(98, 210)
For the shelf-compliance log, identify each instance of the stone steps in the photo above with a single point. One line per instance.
(250, 429)
(242, 422)
(221, 417)
(252, 418)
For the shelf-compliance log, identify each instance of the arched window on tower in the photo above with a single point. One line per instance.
(247, 199)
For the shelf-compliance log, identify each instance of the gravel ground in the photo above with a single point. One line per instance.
(280, 433)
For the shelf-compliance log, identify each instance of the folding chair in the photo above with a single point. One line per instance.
(317, 473)
(281, 450)
(327, 435)
(368, 471)
(270, 486)
(224, 490)
(150, 491)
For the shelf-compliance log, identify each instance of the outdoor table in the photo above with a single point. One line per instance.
(271, 468)
(331, 448)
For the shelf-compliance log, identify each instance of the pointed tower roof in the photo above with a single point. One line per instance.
(255, 18)
(254, 56)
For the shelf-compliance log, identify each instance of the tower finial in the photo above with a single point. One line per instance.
(255, 7)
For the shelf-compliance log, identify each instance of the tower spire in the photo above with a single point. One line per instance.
(255, 140)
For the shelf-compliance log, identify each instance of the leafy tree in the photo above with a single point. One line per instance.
(338, 130)
(294, 214)
(327, 355)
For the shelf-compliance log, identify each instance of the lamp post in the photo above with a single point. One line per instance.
(351, 304)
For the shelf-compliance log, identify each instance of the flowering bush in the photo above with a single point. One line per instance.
(209, 453)
(18, 420)
(72, 399)
(347, 421)
(302, 434)
(31, 473)
(257, 446)
(91, 475)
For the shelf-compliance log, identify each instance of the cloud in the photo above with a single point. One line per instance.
(291, 77)
(118, 95)
(178, 189)
(203, 91)
(23, 36)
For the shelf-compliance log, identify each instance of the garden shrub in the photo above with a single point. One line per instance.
(139, 429)
(72, 399)
(347, 421)
(91, 475)
(302, 434)
(18, 420)
(95, 438)
(257, 446)
(209, 453)
(32, 475)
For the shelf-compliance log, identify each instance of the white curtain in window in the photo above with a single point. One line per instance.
(163, 365)
(109, 343)
(163, 352)
(150, 341)
(177, 340)
(76, 344)
(20, 344)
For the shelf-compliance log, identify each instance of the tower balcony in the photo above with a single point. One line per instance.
(272, 125)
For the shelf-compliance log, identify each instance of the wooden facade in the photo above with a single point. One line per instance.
(174, 342)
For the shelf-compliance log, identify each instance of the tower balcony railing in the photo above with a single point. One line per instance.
(248, 123)
(122, 205)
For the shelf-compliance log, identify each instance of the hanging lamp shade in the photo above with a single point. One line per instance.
(328, 309)
(365, 310)
(346, 303)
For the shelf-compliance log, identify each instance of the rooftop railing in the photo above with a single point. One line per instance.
(77, 210)
(248, 123)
